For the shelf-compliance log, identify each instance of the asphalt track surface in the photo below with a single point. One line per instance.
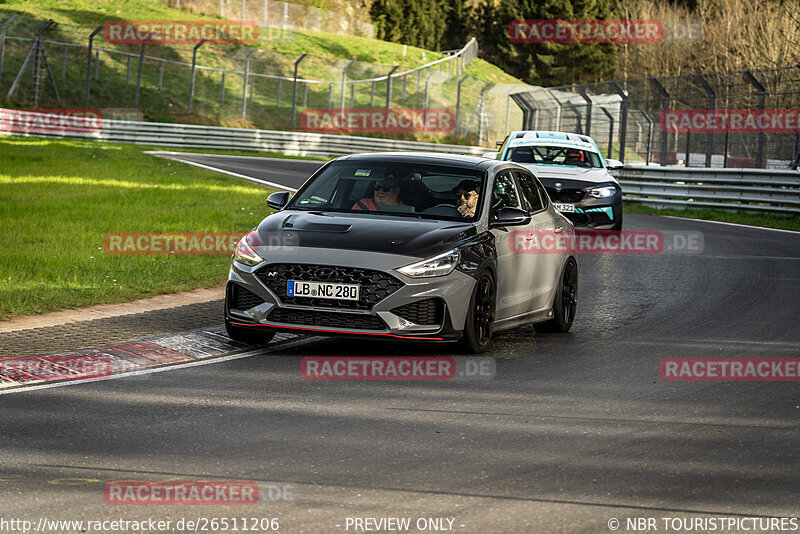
(573, 431)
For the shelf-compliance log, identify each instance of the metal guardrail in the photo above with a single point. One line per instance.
(763, 190)
(221, 138)
(685, 187)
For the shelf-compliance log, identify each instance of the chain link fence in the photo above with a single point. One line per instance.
(629, 119)
(52, 65)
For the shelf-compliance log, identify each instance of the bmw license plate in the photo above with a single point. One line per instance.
(322, 290)
(569, 208)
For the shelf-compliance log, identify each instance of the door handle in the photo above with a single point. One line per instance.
(558, 230)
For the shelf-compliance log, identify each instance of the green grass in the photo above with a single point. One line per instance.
(59, 198)
(785, 222)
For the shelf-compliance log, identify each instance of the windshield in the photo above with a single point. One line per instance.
(403, 189)
(553, 155)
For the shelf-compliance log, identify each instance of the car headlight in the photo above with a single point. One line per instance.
(245, 252)
(603, 192)
(440, 265)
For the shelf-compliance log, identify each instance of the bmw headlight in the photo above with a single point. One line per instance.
(245, 251)
(440, 265)
(603, 192)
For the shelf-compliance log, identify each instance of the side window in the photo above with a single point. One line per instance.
(530, 193)
(504, 192)
(543, 193)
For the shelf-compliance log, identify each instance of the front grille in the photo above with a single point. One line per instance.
(375, 285)
(570, 196)
(242, 299)
(427, 311)
(328, 319)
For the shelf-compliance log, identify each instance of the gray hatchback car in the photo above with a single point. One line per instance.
(406, 246)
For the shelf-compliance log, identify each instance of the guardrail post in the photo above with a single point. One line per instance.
(389, 86)
(344, 81)
(665, 102)
(623, 119)
(194, 65)
(246, 81)
(762, 97)
(294, 81)
(610, 131)
(3, 28)
(582, 92)
(458, 101)
(712, 104)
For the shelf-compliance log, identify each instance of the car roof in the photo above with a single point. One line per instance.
(454, 160)
(548, 138)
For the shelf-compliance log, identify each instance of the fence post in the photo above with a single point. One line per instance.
(425, 109)
(330, 96)
(588, 100)
(294, 83)
(665, 102)
(610, 131)
(762, 97)
(482, 111)
(577, 113)
(712, 104)
(344, 80)
(305, 94)
(139, 71)
(508, 106)
(458, 101)
(64, 63)
(3, 40)
(649, 135)
(372, 96)
(246, 80)
(34, 49)
(623, 119)
(97, 65)
(222, 89)
(89, 66)
(389, 86)
(194, 65)
(161, 75)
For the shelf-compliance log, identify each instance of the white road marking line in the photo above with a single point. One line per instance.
(236, 174)
(196, 363)
(731, 224)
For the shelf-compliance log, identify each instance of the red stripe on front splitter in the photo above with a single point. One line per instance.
(344, 332)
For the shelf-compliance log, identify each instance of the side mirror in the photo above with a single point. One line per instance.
(498, 143)
(613, 164)
(509, 216)
(278, 200)
(491, 155)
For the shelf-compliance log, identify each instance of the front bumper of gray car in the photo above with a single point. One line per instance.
(391, 305)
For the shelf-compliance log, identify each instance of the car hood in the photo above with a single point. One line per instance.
(566, 172)
(368, 232)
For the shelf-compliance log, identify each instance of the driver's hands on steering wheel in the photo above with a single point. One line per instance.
(466, 211)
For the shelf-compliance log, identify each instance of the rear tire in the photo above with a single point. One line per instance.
(249, 335)
(565, 302)
(479, 324)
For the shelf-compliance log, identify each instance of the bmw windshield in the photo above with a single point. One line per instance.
(553, 155)
(397, 189)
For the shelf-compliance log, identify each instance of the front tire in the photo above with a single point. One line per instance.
(249, 335)
(479, 324)
(565, 303)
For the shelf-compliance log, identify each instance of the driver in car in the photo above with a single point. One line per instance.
(386, 191)
(466, 193)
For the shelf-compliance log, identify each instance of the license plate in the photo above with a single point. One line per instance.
(322, 290)
(570, 208)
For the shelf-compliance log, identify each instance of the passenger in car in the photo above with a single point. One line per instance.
(466, 197)
(386, 191)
